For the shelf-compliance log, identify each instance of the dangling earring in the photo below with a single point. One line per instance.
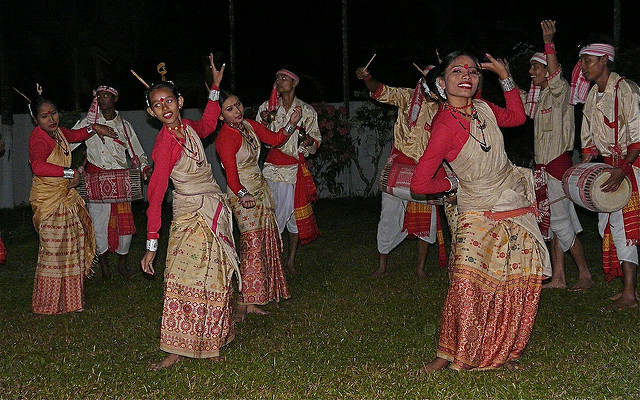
(441, 90)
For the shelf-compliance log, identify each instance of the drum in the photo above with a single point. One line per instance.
(581, 183)
(111, 186)
(395, 180)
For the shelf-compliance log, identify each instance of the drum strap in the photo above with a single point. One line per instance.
(614, 124)
(135, 161)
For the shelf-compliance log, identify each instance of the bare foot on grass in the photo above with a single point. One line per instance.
(623, 303)
(168, 361)
(217, 359)
(290, 268)
(435, 365)
(378, 273)
(254, 309)
(618, 295)
(554, 285)
(582, 284)
(513, 366)
(421, 273)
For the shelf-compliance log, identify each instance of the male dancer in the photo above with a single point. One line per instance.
(400, 218)
(113, 222)
(611, 127)
(547, 103)
(287, 174)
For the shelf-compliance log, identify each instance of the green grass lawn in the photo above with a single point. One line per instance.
(340, 335)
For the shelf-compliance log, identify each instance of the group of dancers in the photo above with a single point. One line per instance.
(499, 256)
(202, 256)
(499, 215)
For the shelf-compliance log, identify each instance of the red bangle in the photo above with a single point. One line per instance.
(549, 48)
(368, 77)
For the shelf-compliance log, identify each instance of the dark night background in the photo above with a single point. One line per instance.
(57, 43)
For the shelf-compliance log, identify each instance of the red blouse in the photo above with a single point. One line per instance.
(229, 141)
(166, 153)
(448, 137)
(41, 146)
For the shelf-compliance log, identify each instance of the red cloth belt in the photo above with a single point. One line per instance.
(556, 168)
(305, 193)
(631, 220)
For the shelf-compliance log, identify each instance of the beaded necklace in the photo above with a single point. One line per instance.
(190, 147)
(474, 116)
(243, 132)
(63, 145)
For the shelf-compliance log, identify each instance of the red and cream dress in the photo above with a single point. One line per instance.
(500, 255)
(261, 267)
(197, 318)
(67, 243)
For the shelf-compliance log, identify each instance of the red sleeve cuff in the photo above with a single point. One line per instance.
(153, 235)
(634, 146)
(378, 91)
(590, 150)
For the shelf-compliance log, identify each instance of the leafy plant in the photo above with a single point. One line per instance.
(335, 153)
(373, 126)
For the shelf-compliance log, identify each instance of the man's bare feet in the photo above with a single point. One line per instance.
(217, 359)
(554, 285)
(582, 284)
(168, 361)
(378, 273)
(618, 295)
(623, 303)
(290, 268)
(513, 365)
(421, 273)
(434, 366)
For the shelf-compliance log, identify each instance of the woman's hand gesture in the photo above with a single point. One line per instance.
(147, 262)
(104, 130)
(215, 73)
(497, 65)
(247, 201)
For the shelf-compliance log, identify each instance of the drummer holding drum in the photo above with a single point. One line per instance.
(113, 222)
(611, 128)
(547, 103)
(400, 217)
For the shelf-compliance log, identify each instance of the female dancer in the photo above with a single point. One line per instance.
(496, 274)
(238, 145)
(67, 243)
(201, 257)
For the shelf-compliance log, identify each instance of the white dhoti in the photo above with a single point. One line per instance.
(624, 251)
(564, 220)
(283, 195)
(100, 214)
(390, 233)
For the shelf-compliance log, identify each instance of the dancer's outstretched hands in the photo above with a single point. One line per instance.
(215, 73)
(496, 65)
(548, 30)
(362, 73)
